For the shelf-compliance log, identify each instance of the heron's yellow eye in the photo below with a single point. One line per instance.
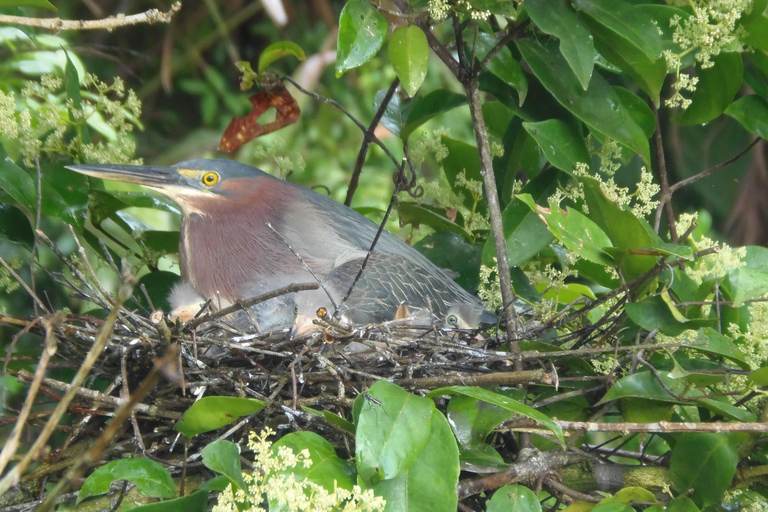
(452, 320)
(210, 178)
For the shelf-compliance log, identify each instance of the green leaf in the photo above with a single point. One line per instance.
(514, 498)
(72, 87)
(599, 106)
(558, 18)
(395, 114)
(716, 89)
(621, 18)
(562, 147)
(427, 107)
(15, 226)
(752, 112)
(409, 54)
(682, 504)
(503, 402)
(472, 421)
(428, 215)
(612, 506)
(577, 232)
(624, 36)
(705, 463)
(643, 385)
(280, 50)
(759, 377)
(390, 435)
(195, 502)
(720, 345)
(212, 412)
(750, 281)
(503, 64)
(756, 26)
(223, 457)
(17, 183)
(327, 469)
(638, 109)
(629, 494)
(462, 157)
(524, 231)
(42, 4)
(361, 33)
(429, 483)
(149, 477)
(624, 229)
(656, 313)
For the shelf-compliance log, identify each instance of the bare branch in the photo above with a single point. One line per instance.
(56, 25)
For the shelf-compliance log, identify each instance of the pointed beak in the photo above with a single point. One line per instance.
(160, 178)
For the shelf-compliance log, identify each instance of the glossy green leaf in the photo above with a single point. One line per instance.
(194, 502)
(612, 506)
(15, 226)
(759, 377)
(327, 469)
(655, 313)
(720, 345)
(599, 106)
(621, 18)
(750, 281)
(577, 232)
(17, 183)
(427, 107)
(362, 29)
(149, 477)
(716, 89)
(72, 88)
(628, 48)
(682, 504)
(409, 54)
(643, 410)
(280, 50)
(643, 384)
(395, 114)
(627, 495)
(514, 498)
(223, 457)
(418, 214)
(755, 25)
(752, 113)
(390, 435)
(473, 419)
(503, 402)
(429, 483)
(212, 412)
(158, 285)
(42, 4)
(503, 64)
(722, 407)
(524, 230)
(558, 18)
(562, 147)
(638, 109)
(624, 229)
(705, 463)
(462, 157)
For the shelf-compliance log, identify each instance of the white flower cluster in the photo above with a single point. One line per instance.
(272, 481)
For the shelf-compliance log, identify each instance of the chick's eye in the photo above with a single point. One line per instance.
(452, 320)
(210, 178)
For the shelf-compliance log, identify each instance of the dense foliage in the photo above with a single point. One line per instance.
(566, 160)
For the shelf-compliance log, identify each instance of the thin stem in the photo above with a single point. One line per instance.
(368, 136)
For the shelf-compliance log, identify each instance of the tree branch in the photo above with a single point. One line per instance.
(57, 24)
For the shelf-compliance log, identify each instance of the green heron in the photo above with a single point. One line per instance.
(244, 232)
